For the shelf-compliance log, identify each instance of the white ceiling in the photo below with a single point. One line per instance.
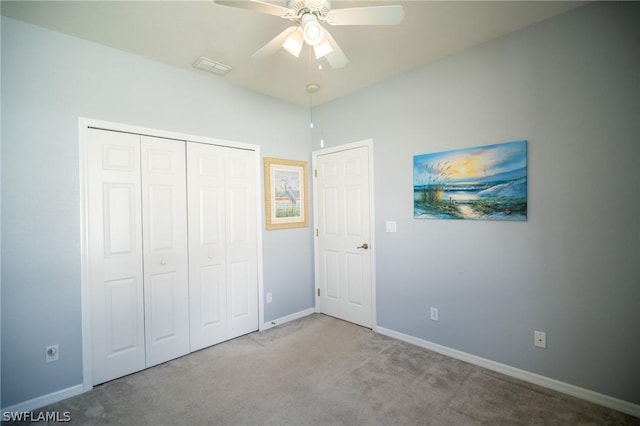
(178, 32)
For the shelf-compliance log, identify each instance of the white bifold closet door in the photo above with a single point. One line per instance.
(164, 242)
(222, 243)
(115, 254)
(172, 248)
(138, 255)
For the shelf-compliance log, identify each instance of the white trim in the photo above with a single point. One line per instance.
(372, 238)
(146, 131)
(259, 222)
(85, 291)
(41, 401)
(372, 243)
(537, 379)
(287, 318)
(85, 296)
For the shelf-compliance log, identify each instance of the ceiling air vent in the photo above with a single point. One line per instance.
(212, 66)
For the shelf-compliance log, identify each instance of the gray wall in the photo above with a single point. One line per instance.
(48, 81)
(571, 87)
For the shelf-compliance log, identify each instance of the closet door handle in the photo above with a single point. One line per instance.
(210, 256)
(163, 262)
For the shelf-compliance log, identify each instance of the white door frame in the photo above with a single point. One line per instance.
(85, 296)
(314, 158)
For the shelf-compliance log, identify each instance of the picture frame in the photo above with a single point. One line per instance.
(285, 194)
(479, 183)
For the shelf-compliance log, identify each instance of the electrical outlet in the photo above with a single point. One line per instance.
(52, 353)
(269, 297)
(540, 339)
(434, 314)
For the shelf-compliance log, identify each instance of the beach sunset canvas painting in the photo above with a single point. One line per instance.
(482, 183)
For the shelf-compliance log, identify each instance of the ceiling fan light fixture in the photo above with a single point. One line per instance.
(307, 17)
(322, 49)
(312, 30)
(293, 44)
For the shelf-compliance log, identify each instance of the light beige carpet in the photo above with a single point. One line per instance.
(322, 371)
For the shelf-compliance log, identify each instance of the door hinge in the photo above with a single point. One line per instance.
(317, 234)
(315, 172)
(318, 292)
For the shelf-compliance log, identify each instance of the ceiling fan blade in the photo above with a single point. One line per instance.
(374, 15)
(275, 44)
(336, 58)
(257, 6)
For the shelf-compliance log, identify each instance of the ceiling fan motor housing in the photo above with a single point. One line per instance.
(319, 8)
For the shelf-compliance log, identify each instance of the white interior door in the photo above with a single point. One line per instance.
(115, 254)
(343, 235)
(166, 275)
(222, 243)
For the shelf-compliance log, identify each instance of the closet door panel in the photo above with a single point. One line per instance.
(212, 293)
(120, 314)
(115, 254)
(210, 257)
(240, 290)
(241, 243)
(207, 256)
(166, 276)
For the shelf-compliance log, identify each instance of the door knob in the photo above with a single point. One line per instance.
(364, 246)
(163, 262)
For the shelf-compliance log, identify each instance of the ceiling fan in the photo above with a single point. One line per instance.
(308, 17)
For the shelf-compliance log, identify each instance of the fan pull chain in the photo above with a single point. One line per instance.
(321, 110)
(310, 86)
(310, 110)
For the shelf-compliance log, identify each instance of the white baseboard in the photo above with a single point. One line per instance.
(270, 324)
(44, 400)
(578, 392)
